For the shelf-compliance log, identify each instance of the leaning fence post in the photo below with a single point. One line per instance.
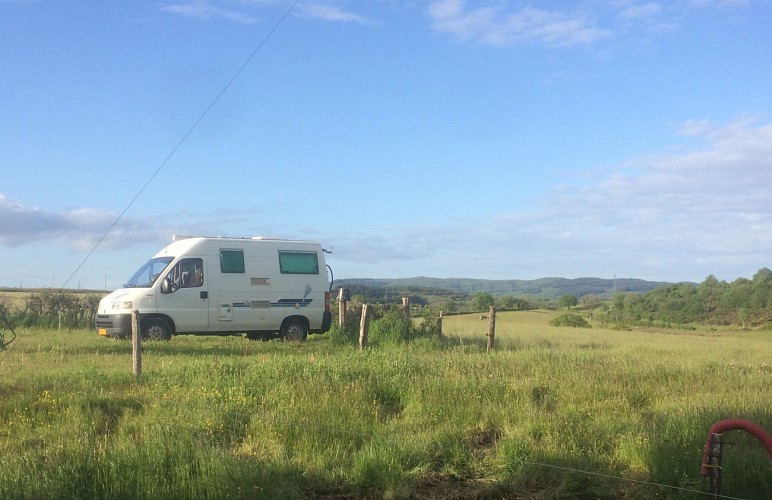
(364, 327)
(491, 328)
(136, 351)
(342, 304)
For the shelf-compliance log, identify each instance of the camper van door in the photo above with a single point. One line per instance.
(184, 295)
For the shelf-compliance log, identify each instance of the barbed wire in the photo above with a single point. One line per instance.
(306, 425)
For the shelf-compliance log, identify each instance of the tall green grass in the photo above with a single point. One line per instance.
(228, 418)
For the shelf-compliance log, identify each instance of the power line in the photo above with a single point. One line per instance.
(184, 138)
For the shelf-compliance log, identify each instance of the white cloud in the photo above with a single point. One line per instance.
(696, 128)
(669, 217)
(495, 25)
(515, 23)
(80, 229)
(332, 13)
(244, 11)
(716, 3)
(206, 10)
(640, 11)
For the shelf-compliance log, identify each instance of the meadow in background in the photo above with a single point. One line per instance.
(551, 412)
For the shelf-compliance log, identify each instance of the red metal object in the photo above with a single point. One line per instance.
(730, 425)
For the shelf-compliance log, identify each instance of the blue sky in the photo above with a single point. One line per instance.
(480, 139)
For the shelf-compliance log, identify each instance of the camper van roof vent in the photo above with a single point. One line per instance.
(178, 237)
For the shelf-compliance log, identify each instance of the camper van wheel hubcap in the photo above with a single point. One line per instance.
(294, 331)
(156, 330)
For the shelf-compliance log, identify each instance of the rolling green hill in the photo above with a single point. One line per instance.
(542, 288)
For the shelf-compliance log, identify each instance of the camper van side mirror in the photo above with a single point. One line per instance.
(166, 286)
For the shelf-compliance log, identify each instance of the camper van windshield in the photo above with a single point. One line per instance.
(147, 274)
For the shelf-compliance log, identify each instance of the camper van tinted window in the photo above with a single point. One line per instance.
(298, 262)
(232, 261)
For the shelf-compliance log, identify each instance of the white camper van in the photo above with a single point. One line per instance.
(262, 287)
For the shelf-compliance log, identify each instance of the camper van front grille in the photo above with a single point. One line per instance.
(104, 321)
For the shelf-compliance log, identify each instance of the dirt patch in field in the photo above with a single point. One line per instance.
(433, 486)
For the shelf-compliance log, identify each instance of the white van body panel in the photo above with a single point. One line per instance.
(223, 286)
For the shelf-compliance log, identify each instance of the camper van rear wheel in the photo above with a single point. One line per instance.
(156, 329)
(294, 331)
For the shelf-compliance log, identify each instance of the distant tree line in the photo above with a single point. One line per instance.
(743, 302)
(449, 302)
(51, 308)
(538, 289)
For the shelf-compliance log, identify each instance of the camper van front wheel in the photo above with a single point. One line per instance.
(156, 329)
(294, 331)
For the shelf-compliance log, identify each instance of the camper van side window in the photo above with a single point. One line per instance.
(298, 262)
(232, 261)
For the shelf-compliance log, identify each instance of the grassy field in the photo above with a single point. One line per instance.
(14, 298)
(552, 412)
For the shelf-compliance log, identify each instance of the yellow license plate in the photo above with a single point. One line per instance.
(102, 331)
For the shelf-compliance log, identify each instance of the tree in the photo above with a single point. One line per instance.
(590, 301)
(709, 293)
(507, 303)
(761, 287)
(482, 301)
(568, 301)
(618, 305)
(570, 319)
(743, 316)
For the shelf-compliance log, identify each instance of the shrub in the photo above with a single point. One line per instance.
(388, 326)
(391, 328)
(570, 319)
(50, 309)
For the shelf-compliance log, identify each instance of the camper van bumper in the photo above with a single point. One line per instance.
(114, 325)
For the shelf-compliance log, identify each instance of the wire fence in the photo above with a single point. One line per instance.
(176, 426)
(329, 432)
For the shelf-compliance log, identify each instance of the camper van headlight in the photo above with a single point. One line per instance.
(123, 305)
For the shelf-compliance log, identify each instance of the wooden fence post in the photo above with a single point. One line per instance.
(364, 327)
(716, 445)
(342, 304)
(136, 351)
(491, 328)
(408, 317)
(439, 324)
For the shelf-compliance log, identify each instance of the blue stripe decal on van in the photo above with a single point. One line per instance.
(292, 303)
